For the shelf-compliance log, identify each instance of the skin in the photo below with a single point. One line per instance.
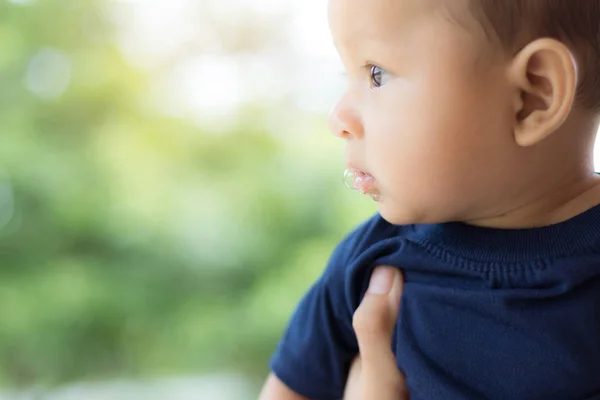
(458, 130)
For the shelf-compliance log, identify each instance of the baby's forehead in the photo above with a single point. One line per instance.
(394, 34)
(386, 19)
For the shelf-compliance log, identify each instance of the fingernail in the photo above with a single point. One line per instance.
(382, 280)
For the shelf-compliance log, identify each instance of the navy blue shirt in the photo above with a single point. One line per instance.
(485, 314)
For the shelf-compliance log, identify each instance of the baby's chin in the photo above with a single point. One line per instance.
(403, 214)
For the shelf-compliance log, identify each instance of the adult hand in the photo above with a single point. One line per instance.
(374, 373)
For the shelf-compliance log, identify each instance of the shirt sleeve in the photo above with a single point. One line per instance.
(315, 353)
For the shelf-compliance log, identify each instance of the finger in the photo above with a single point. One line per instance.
(375, 318)
(374, 322)
(364, 385)
(354, 383)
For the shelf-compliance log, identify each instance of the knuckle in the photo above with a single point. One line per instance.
(370, 321)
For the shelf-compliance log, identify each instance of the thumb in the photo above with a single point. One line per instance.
(375, 318)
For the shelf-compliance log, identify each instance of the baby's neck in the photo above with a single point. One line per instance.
(563, 203)
(568, 185)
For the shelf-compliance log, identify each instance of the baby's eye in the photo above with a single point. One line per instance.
(379, 76)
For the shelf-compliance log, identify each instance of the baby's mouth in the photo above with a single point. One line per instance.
(361, 181)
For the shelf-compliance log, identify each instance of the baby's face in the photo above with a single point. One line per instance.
(425, 113)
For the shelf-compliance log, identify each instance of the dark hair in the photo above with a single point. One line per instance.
(576, 23)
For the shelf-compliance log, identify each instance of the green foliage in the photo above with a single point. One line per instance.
(137, 244)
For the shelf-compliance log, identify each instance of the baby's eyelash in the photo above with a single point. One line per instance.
(368, 67)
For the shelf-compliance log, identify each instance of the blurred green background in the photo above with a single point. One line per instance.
(152, 224)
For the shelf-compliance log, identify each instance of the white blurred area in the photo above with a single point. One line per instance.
(211, 56)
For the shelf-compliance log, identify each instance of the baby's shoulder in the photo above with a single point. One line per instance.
(352, 259)
(371, 232)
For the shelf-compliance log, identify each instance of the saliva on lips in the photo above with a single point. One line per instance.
(362, 182)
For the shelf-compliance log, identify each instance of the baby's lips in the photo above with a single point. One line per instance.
(358, 180)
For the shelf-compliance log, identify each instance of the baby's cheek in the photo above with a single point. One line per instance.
(426, 190)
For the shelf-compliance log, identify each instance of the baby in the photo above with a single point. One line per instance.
(471, 123)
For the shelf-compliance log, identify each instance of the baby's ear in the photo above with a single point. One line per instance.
(544, 75)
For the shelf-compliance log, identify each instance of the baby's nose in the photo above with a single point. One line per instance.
(344, 122)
